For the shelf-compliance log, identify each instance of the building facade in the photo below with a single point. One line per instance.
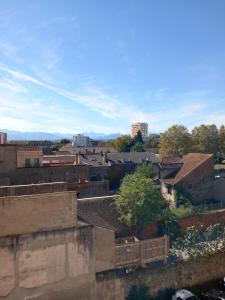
(142, 127)
(3, 138)
(80, 140)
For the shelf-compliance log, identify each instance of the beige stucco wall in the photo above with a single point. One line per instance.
(22, 155)
(104, 249)
(33, 213)
(52, 265)
(7, 159)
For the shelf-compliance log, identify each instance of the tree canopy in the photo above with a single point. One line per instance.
(205, 139)
(175, 141)
(139, 201)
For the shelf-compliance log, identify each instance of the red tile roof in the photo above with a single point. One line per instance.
(190, 162)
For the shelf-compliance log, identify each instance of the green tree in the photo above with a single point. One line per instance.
(175, 141)
(222, 140)
(139, 201)
(205, 139)
(122, 144)
(138, 138)
(138, 147)
(64, 141)
(146, 170)
(153, 142)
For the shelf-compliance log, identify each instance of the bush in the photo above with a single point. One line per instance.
(138, 293)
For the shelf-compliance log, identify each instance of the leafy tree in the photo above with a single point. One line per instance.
(138, 138)
(153, 142)
(139, 201)
(138, 147)
(146, 170)
(205, 139)
(175, 141)
(64, 141)
(122, 144)
(138, 293)
(222, 140)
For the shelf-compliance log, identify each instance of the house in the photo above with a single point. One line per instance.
(191, 176)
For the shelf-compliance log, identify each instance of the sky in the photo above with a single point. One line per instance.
(94, 65)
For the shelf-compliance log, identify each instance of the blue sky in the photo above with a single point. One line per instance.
(96, 65)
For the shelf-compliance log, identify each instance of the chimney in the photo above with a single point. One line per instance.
(77, 159)
(105, 157)
(93, 150)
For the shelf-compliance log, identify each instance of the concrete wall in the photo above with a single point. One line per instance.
(29, 189)
(34, 156)
(33, 213)
(110, 286)
(104, 249)
(90, 188)
(7, 159)
(52, 265)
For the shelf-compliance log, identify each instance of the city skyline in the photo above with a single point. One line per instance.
(97, 66)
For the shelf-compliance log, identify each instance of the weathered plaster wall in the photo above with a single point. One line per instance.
(49, 265)
(29, 189)
(105, 249)
(110, 286)
(33, 213)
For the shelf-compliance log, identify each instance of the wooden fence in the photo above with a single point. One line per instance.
(141, 252)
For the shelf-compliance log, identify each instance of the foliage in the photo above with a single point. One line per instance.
(183, 211)
(138, 147)
(146, 169)
(138, 138)
(122, 144)
(175, 141)
(138, 293)
(222, 140)
(139, 201)
(153, 142)
(199, 241)
(205, 139)
(64, 141)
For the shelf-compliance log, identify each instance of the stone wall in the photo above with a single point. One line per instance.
(33, 213)
(111, 286)
(50, 265)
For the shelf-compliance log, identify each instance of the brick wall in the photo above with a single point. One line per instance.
(207, 219)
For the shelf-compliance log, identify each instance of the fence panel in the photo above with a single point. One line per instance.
(139, 252)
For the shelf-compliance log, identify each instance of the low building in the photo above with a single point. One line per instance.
(80, 140)
(191, 176)
(29, 157)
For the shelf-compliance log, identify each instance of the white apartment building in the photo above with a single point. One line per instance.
(142, 127)
(3, 138)
(80, 140)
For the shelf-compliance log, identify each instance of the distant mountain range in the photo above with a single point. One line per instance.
(33, 135)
